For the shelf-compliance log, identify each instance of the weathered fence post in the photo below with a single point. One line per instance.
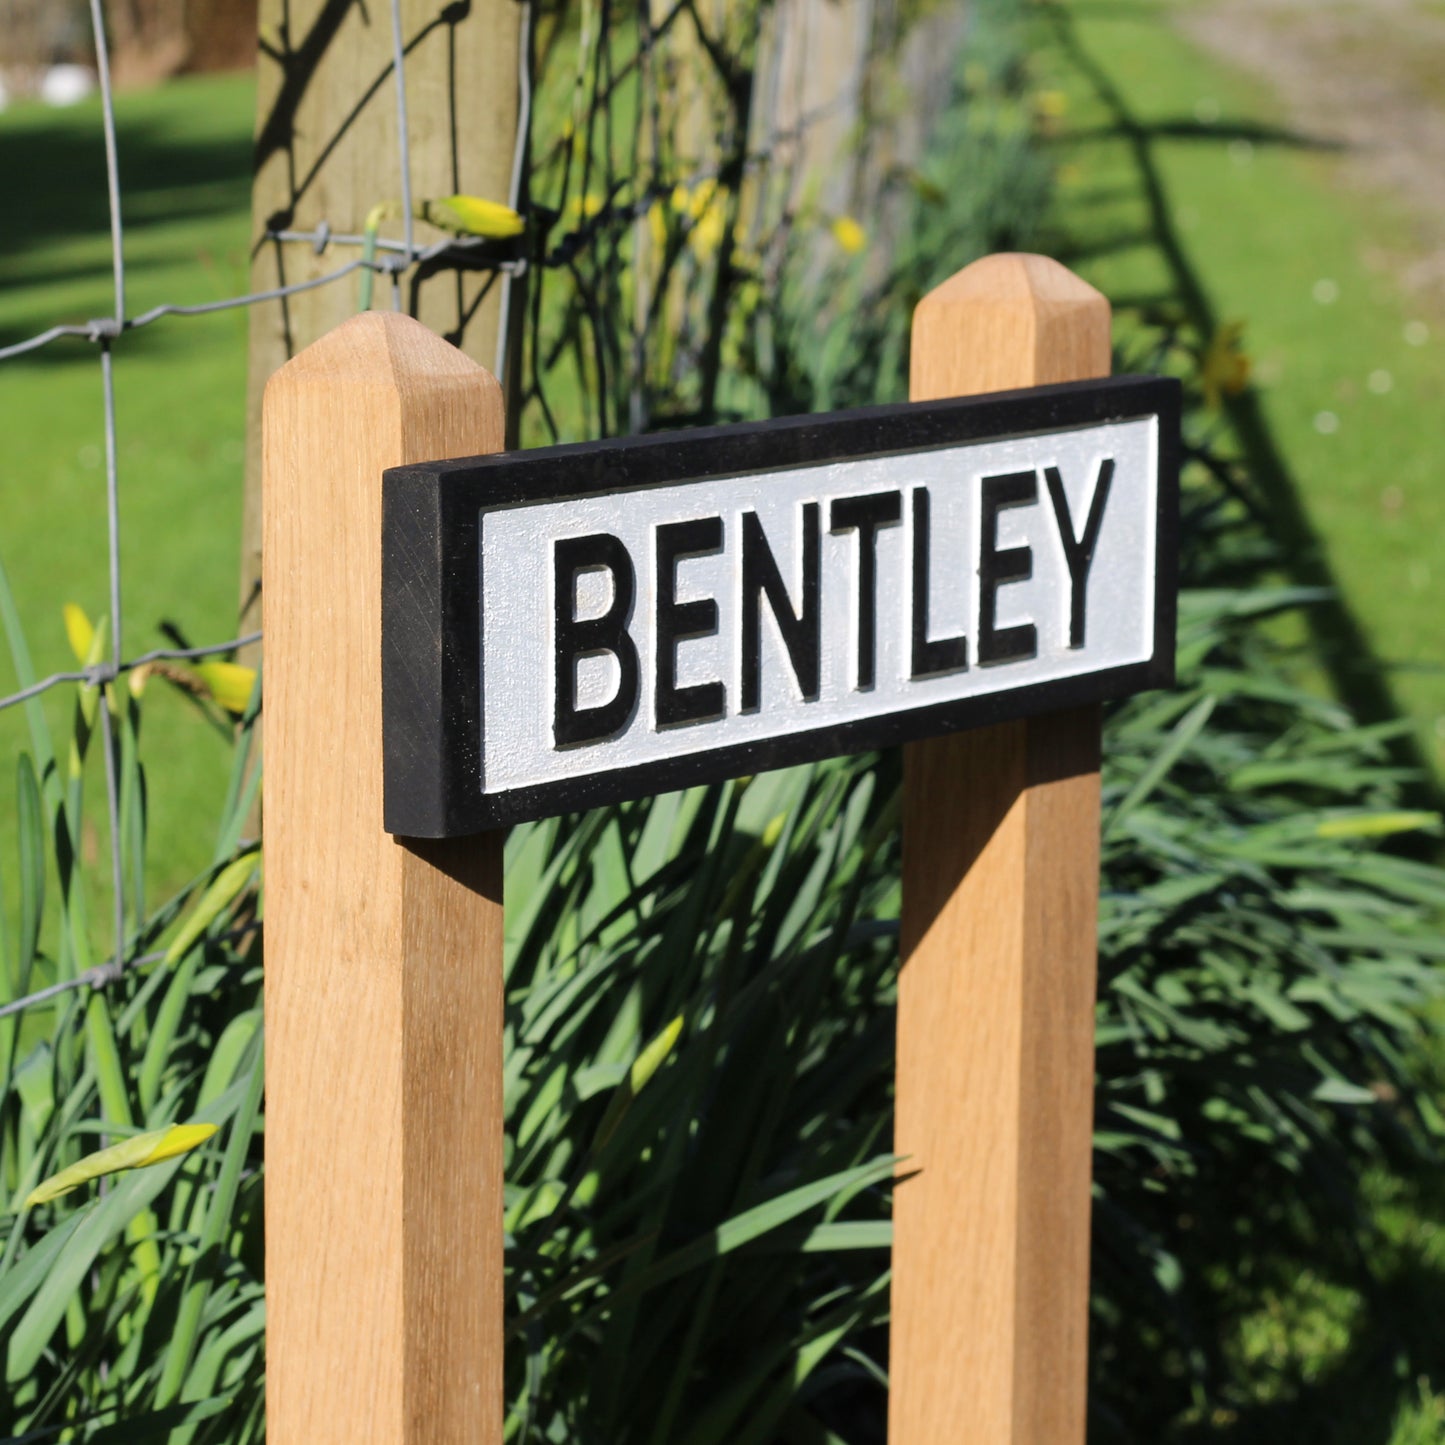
(383, 957)
(328, 149)
(996, 998)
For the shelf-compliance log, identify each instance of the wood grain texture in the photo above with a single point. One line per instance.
(996, 995)
(383, 961)
(327, 150)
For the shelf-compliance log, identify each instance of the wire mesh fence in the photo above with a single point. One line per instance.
(660, 163)
(699, 171)
(108, 333)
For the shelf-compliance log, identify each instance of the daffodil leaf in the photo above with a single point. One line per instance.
(1376, 825)
(652, 1058)
(223, 890)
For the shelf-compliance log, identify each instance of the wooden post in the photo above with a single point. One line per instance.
(383, 959)
(996, 998)
(327, 150)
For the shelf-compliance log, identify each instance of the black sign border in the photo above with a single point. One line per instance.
(431, 646)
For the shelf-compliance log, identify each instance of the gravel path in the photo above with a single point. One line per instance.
(1369, 75)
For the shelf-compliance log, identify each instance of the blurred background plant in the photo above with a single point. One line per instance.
(732, 208)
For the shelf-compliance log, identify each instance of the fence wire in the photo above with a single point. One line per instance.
(643, 239)
(108, 332)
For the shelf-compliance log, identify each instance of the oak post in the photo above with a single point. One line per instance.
(383, 958)
(996, 997)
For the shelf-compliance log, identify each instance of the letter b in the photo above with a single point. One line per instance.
(576, 638)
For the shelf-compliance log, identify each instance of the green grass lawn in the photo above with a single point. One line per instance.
(180, 399)
(1182, 186)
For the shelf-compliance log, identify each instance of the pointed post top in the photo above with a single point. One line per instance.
(1007, 321)
(381, 348)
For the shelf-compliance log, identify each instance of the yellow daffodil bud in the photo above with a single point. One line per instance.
(657, 227)
(652, 1058)
(229, 683)
(471, 216)
(134, 1153)
(224, 889)
(79, 633)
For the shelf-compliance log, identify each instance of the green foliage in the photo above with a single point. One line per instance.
(1263, 962)
(717, 1249)
(131, 1309)
(1261, 966)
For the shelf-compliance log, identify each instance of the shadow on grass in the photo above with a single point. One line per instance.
(1343, 647)
(59, 206)
(1214, 132)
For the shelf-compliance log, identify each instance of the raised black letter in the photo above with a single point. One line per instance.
(944, 654)
(677, 621)
(1013, 564)
(574, 639)
(800, 630)
(1079, 552)
(865, 515)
